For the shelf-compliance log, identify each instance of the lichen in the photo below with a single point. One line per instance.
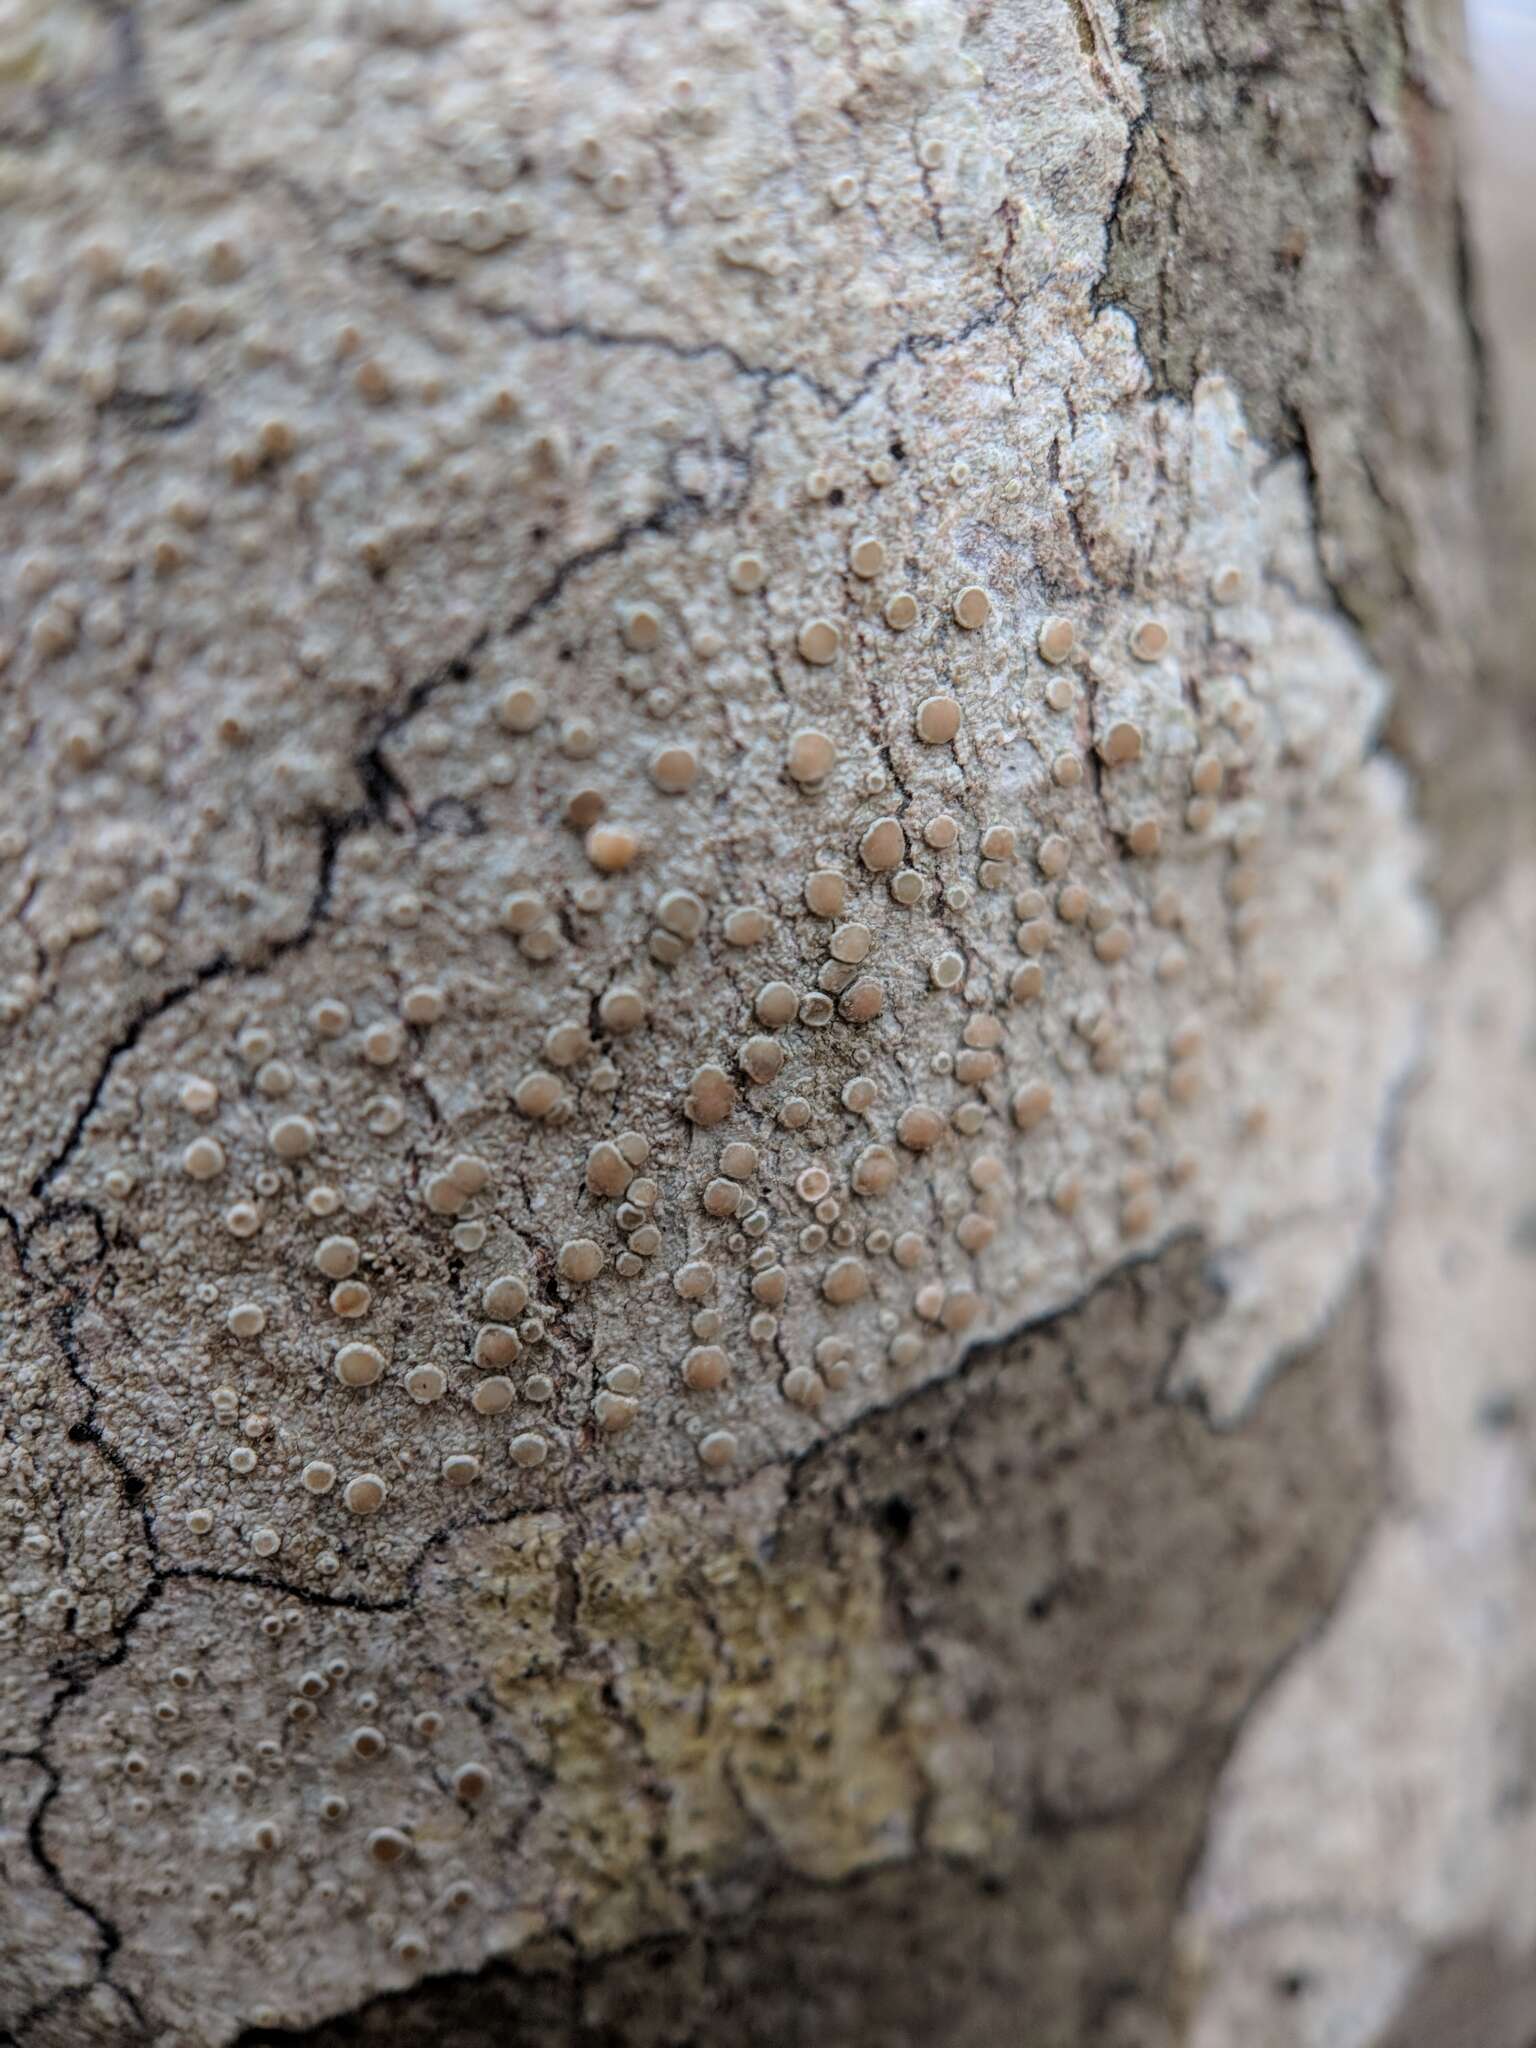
(653, 792)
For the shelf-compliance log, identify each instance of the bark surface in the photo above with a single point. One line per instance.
(765, 1236)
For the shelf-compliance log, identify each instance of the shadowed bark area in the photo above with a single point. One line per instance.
(1031, 1544)
(1473, 1979)
(1294, 209)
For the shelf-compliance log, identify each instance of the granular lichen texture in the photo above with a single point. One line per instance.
(652, 796)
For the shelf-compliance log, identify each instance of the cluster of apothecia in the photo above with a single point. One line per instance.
(714, 1087)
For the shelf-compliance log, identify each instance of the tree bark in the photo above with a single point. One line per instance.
(767, 866)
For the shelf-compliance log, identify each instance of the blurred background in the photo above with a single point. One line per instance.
(1504, 35)
(1502, 136)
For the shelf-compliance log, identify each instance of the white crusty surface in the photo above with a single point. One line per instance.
(494, 503)
(1377, 1811)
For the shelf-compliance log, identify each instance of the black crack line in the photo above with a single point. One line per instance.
(333, 830)
(108, 1934)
